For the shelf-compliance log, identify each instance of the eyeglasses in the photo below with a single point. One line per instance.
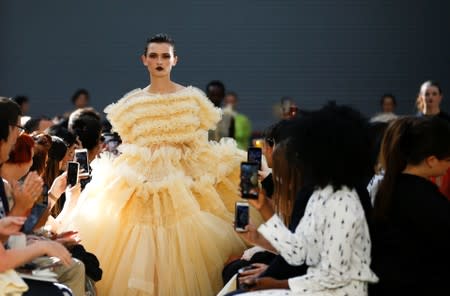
(18, 126)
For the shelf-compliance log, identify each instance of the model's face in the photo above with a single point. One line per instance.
(431, 97)
(388, 105)
(159, 59)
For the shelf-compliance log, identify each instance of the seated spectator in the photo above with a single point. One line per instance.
(70, 141)
(411, 224)
(85, 124)
(333, 236)
(37, 125)
(9, 132)
(52, 175)
(42, 144)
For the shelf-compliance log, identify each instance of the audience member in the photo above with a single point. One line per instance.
(388, 105)
(215, 91)
(411, 223)
(242, 125)
(24, 104)
(38, 125)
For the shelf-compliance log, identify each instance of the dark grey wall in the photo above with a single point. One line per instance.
(350, 51)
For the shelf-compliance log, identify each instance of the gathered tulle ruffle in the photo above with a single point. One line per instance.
(146, 119)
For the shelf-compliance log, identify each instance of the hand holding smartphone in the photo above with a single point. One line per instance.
(81, 156)
(254, 154)
(249, 180)
(241, 218)
(72, 173)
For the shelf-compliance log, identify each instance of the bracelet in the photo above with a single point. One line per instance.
(52, 197)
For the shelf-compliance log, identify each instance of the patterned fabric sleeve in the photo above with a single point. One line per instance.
(288, 244)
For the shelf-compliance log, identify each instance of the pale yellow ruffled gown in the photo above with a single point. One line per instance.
(159, 216)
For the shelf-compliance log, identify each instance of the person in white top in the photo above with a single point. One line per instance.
(333, 237)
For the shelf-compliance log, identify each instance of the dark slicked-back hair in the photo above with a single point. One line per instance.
(160, 38)
(332, 146)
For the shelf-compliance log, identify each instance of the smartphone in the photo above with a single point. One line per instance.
(72, 173)
(81, 156)
(241, 216)
(249, 180)
(45, 194)
(35, 216)
(254, 154)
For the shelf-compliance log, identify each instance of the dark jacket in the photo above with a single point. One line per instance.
(410, 249)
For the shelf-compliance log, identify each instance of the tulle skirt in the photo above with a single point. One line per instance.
(160, 219)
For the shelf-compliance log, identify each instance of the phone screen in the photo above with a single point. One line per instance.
(241, 216)
(32, 220)
(254, 154)
(81, 157)
(72, 173)
(249, 180)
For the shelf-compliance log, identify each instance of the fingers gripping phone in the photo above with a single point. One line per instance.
(241, 217)
(254, 154)
(249, 180)
(35, 216)
(81, 156)
(72, 173)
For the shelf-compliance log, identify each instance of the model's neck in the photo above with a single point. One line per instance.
(431, 110)
(161, 85)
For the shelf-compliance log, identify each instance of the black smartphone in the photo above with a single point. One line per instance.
(254, 154)
(72, 173)
(249, 180)
(45, 194)
(81, 156)
(32, 220)
(241, 216)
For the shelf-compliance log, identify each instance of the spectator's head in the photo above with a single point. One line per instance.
(231, 100)
(273, 135)
(288, 108)
(21, 157)
(80, 99)
(332, 145)
(42, 144)
(39, 124)
(215, 90)
(286, 179)
(23, 102)
(85, 124)
(68, 138)
(420, 145)
(429, 98)
(9, 127)
(388, 103)
(159, 55)
(54, 161)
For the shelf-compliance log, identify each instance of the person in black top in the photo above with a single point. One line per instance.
(411, 221)
(429, 100)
